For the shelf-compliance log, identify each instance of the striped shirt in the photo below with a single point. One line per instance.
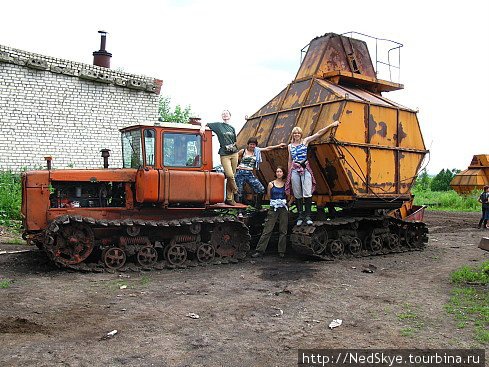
(299, 152)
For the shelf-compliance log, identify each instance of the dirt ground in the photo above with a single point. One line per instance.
(50, 317)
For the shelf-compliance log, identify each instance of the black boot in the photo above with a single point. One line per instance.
(300, 210)
(308, 204)
(484, 224)
(259, 199)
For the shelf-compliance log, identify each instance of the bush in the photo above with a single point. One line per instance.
(10, 197)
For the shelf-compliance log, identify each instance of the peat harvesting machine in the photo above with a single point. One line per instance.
(162, 209)
(365, 168)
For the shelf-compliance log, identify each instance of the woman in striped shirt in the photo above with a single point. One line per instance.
(301, 177)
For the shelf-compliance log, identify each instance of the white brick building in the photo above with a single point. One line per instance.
(67, 110)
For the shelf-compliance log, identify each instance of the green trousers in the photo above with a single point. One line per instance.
(282, 215)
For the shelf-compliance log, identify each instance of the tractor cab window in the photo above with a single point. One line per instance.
(132, 154)
(149, 147)
(182, 150)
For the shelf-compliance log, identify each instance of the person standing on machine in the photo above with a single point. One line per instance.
(300, 176)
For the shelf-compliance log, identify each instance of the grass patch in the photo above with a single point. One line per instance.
(5, 283)
(411, 321)
(470, 305)
(408, 332)
(471, 275)
(145, 280)
(447, 200)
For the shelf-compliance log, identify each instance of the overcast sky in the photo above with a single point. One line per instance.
(239, 54)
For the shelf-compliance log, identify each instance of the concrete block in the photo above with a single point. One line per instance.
(484, 243)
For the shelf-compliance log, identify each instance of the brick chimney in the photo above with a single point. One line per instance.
(102, 57)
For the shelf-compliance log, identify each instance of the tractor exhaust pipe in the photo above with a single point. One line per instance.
(105, 156)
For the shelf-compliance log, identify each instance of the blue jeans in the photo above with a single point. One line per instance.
(244, 176)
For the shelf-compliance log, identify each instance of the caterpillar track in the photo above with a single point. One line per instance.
(86, 244)
(341, 238)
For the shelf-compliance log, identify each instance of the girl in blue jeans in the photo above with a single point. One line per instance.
(249, 159)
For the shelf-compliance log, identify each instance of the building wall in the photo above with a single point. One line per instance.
(67, 110)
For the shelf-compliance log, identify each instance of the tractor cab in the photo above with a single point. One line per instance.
(173, 165)
(166, 146)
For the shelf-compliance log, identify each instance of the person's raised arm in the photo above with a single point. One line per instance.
(320, 132)
(289, 164)
(271, 147)
(240, 155)
(269, 189)
(202, 128)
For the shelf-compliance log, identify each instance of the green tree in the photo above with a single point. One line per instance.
(423, 181)
(179, 114)
(441, 182)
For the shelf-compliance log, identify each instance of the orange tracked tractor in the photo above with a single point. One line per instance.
(161, 209)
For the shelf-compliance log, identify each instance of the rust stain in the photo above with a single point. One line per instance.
(401, 133)
(338, 113)
(383, 129)
(330, 173)
(372, 126)
(376, 127)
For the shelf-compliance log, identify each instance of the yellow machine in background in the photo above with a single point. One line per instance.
(473, 178)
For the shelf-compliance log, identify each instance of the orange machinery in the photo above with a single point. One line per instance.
(374, 155)
(365, 166)
(473, 178)
(164, 198)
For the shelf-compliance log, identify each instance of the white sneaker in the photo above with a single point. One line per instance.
(299, 222)
(308, 221)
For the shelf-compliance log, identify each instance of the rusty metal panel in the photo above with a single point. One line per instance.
(339, 53)
(283, 127)
(329, 113)
(382, 166)
(308, 118)
(353, 127)
(368, 97)
(247, 131)
(355, 166)
(320, 92)
(313, 58)
(274, 105)
(334, 57)
(328, 170)
(340, 91)
(264, 130)
(272, 159)
(362, 57)
(408, 165)
(409, 134)
(296, 94)
(382, 126)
